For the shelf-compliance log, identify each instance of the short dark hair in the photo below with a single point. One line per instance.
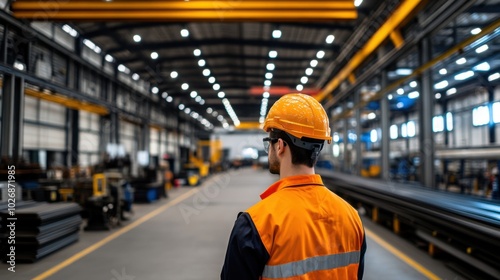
(299, 155)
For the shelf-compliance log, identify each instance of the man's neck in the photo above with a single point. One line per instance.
(293, 170)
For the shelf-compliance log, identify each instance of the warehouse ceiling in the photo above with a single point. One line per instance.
(200, 64)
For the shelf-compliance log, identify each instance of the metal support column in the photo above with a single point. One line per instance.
(357, 145)
(11, 138)
(491, 125)
(347, 154)
(104, 134)
(384, 124)
(144, 137)
(426, 137)
(3, 48)
(74, 130)
(495, 192)
(114, 128)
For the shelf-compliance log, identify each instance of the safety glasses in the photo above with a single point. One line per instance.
(267, 142)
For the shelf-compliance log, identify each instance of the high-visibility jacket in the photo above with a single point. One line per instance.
(299, 230)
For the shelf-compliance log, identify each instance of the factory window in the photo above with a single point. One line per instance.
(496, 112)
(394, 131)
(411, 128)
(449, 121)
(480, 115)
(404, 132)
(438, 124)
(336, 150)
(373, 136)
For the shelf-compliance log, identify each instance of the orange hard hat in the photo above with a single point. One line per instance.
(299, 115)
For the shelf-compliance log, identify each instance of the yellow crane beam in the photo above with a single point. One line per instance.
(183, 5)
(245, 10)
(405, 11)
(249, 125)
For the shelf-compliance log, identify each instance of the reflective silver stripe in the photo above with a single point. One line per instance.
(311, 264)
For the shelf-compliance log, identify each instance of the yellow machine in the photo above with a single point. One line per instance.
(99, 187)
(208, 157)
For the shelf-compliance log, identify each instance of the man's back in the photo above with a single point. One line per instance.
(302, 221)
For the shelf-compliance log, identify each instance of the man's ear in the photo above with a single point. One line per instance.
(281, 146)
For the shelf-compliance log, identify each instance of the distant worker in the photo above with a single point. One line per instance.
(300, 229)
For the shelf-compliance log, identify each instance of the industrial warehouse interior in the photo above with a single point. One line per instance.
(131, 132)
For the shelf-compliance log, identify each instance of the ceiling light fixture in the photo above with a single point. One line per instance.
(154, 55)
(451, 91)
(485, 66)
(109, 58)
(314, 63)
(461, 61)
(464, 75)
(184, 33)
(197, 52)
(413, 94)
(493, 77)
(320, 54)
(441, 84)
(277, 34)
(329, 39)
(475, 31)
(482, 48)
(273, 54)
(137, 38)
(174, 74)
(269, 76)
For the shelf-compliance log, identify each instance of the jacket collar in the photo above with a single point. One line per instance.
(291, 181)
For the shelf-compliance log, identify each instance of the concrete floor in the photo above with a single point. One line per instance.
(184, 237)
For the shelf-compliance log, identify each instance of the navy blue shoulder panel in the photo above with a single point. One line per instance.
(246, 255)
(361, 268)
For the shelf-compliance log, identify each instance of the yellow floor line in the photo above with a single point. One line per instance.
(401, 255)
(113, 236)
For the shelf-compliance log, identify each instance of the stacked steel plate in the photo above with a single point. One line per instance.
(40, 229)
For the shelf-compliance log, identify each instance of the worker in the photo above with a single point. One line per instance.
(300, 229)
